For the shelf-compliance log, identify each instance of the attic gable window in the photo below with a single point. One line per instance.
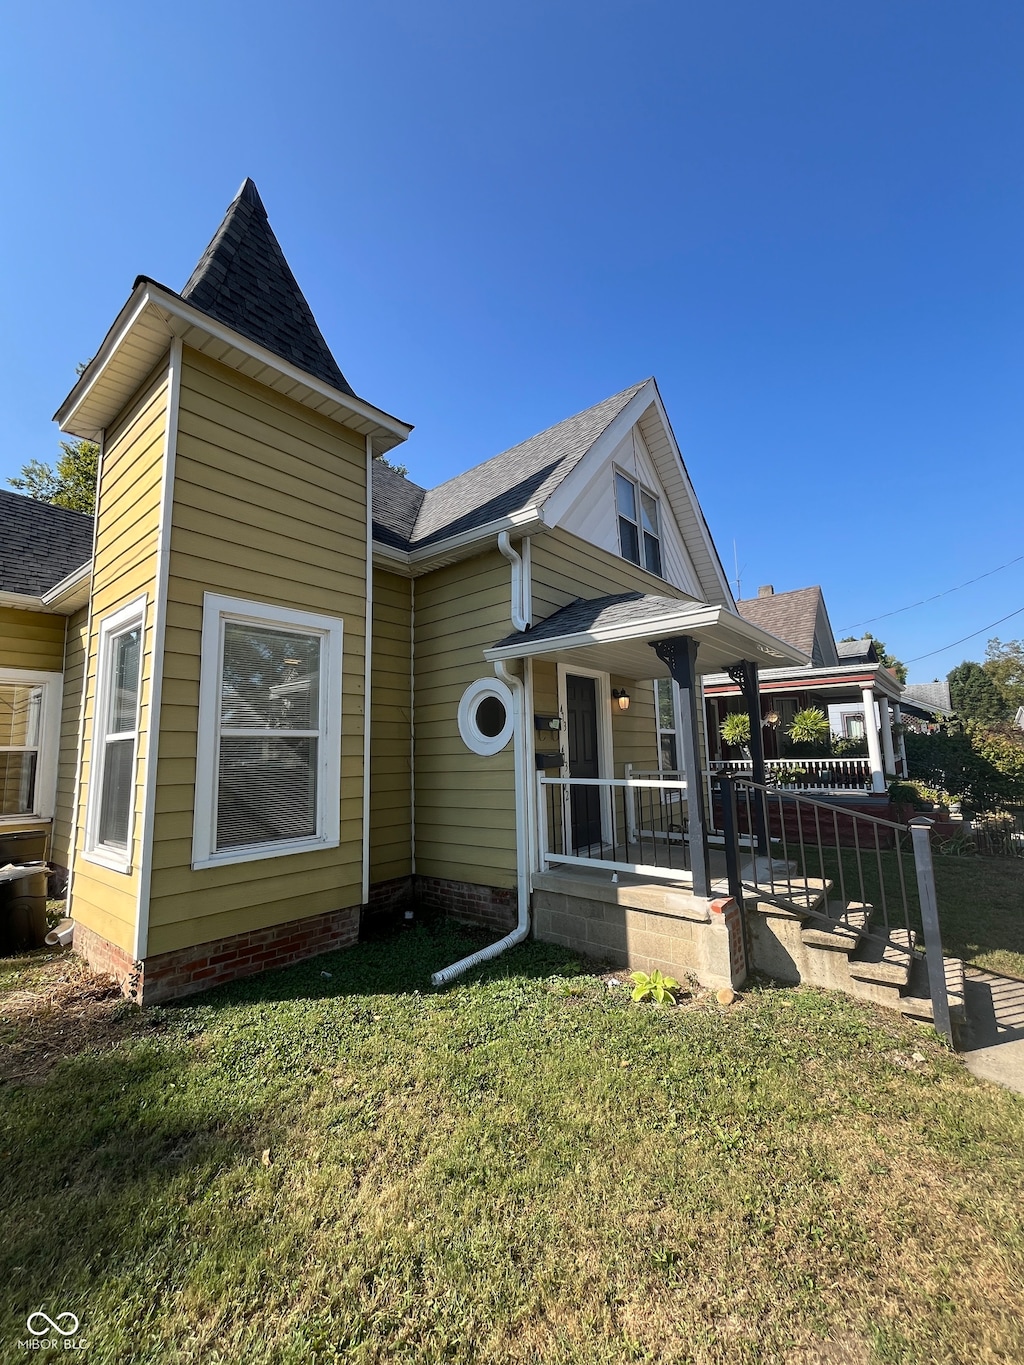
(268, 768)
(639, 524)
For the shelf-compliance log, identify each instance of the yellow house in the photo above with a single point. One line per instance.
(280, 684)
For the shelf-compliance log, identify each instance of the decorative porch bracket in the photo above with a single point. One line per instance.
(744, 675)
(680, 655)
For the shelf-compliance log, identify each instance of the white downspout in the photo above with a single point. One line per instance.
(524, 786)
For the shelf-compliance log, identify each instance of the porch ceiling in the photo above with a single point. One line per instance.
(614, 635)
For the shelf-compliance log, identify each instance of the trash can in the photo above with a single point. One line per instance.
(23, 910)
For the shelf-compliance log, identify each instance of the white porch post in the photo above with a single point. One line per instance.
(898, 716)
(887, 745)
(874, 748)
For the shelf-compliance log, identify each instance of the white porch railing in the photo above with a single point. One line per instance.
(805, 774)
(632, 824)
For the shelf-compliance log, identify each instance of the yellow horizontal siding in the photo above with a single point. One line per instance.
(31, 639)
(70, 720)
(465, 804)
(565, 567)
(269, 505)
(127, 523)
(391, 729)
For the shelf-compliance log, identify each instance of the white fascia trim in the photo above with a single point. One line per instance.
(77, 579)
(44, 798)
(111, 625)
(163, 560)
(22, 601)
(217, 609)
(367, 669)
(138, 301)
(636, 630)
(177, 308)
(526, 521)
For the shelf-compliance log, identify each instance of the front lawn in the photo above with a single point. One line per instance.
(526, 1167)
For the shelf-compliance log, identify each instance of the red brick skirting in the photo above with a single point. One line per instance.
(490, 906)
(386, 897)
(166, 976)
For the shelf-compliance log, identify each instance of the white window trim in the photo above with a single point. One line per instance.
(472, 736)
(44, 797)
(217, 610)
(117, 860)
(639, 489)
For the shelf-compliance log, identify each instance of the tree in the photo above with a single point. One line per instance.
(71, 484)
(886, 659)
(1004, 664)
(974, 695)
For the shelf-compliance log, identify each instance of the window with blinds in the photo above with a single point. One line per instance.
(21, 707)
(268, 771)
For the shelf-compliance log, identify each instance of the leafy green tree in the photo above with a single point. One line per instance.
(981, 767)
(1004, 664)
(886, 659)
(71, 484)
(974, 695)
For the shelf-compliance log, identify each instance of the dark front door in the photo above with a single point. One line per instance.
(581, 724)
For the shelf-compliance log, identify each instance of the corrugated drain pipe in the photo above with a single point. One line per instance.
(519, 719)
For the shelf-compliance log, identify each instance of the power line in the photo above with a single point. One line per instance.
(966, 637)
(924, 600)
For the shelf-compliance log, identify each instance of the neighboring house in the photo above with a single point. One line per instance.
(844, 679)
(926, 704)
(283, 683)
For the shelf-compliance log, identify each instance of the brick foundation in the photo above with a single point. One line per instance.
(491, 907)
(166, 976)
(387, 897)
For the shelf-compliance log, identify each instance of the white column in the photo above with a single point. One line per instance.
(874, 748)
(898, 717)
(887, 747)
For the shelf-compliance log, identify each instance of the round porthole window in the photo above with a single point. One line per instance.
(485, 716)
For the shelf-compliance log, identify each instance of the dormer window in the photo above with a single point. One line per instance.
(639, 524)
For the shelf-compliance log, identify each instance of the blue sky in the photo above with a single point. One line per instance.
(805, 219)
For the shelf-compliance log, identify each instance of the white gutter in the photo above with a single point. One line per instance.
(23, 601)
(520, 614)
(522, 928)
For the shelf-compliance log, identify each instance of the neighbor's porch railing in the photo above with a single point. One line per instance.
(806, 774)
(631, 824)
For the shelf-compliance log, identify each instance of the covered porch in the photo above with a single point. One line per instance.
(614, 688)
(862, 703)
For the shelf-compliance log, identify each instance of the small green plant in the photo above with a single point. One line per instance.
(849, 746)
(735, 729)
(660, 989)
(788, 777)
(809, 726)
(957, 846)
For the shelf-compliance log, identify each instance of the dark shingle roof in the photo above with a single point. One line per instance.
(523, 475)
(933, 696)
(789, 616)
(244, 281)
(604, 613)
(396, 504)
(857, 651)
(39, 544)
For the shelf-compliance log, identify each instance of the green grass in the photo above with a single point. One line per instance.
(981, 901)
(527, 1167)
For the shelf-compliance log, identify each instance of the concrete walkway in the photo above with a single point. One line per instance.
(992, 1040)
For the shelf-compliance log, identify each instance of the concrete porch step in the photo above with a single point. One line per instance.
(885, 962)
(804, 898)
(838, 932)
(916, 1002)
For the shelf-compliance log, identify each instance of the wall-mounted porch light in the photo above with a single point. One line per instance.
(621, 698)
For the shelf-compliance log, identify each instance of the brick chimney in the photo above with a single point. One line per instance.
(766, 591)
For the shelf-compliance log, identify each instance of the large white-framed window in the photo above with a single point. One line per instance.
(29, 743)
(110, 806)
(639, 518)
(268, 765)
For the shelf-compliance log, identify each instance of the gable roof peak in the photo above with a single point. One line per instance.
(244, 281)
